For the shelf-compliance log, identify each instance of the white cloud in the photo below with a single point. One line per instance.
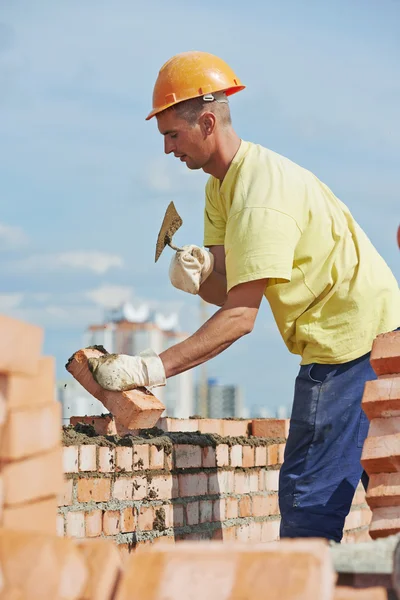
(10, 301)
(12, 237)
(97, 262)
(110, 296)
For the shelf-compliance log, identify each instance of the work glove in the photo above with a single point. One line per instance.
(121, 372)
(190, 267)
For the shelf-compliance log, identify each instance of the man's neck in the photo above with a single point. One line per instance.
(227, 146)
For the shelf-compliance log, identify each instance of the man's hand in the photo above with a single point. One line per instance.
(121, 372)
(190, 267)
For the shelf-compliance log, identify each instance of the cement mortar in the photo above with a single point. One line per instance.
(83, 434)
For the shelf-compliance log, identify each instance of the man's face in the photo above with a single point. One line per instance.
(187, 142)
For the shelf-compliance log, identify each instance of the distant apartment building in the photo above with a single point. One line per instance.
(222, 401)
(129, 330)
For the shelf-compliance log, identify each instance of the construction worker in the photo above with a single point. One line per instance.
(273, 229)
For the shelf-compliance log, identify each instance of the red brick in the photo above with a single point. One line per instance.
(270, 428)
(41, 565)
(243, 533)
(384, 490)
(169, 515)
(97, 489)
(193, 485)
(236, 456)
(170, 424)
(382, 398)
(384, 426)
(33, 516)
(123, 488)
(359, 496)
(33, 478)
(87, 457)
(146, 518)
(248, 456)
(253, 481)
(93, 523)
(134, 409)
(271, 479)
(265, 506)
(222, 452)
(60, 524)
(232, 509)
(178, 515)
(192, 513)
(242, 483)
(210, 426)
(104, 564)
(31, 431)
(349, 593)
(235, 427)
(385, 521)
(70, 459)
(272, 455)
(270, 530)
(128, 519)
(30, 390)
(209, 457)
(111, 522)
(381, 454)
(65, 498)
(245, 506)
(255, 531)
(123, 458)
(187, 456)
(102, 424)
(281, 453)
(141, 457)
(385, 353)
(75, 524)
(219, 509)
(160, 487)
(106, 459)
(206, 511)
(16, 357)
(139, 488)
(156, 457)
(260, 456)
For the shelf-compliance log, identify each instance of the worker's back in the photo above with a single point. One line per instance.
(330, 291)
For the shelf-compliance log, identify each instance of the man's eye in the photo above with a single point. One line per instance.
(174, 135)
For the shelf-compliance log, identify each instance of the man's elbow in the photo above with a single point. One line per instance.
(245, 322)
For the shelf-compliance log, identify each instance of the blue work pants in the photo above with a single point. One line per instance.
(321, 468)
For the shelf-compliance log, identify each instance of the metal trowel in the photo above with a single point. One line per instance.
(170, 225)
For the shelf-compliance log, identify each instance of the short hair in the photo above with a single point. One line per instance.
(190, 110)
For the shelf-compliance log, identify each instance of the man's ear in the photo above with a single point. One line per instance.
(207, 123)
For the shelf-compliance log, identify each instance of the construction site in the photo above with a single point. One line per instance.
(134, 505)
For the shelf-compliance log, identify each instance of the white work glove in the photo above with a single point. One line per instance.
(121, 372)
(190, 267)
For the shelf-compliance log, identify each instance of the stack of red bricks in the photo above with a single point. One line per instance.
(34, 562)
(381, 452)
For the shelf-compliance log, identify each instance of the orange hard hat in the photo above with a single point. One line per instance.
(191, 75)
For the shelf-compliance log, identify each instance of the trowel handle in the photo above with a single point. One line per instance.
(175, 247)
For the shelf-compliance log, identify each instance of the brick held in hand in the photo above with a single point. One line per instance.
(385, 522)
(230, 570)
(385, 353)
(135, 409)
(41, 566)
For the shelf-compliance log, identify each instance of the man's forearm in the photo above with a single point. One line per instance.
(218, 333)
(213, 290)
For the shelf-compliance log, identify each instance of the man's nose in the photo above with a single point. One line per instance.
(168, 145)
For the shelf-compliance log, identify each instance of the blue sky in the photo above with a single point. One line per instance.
(83, 180)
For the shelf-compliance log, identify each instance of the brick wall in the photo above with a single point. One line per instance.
(170, 485)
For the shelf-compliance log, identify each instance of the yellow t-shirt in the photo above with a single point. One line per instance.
(330, 291)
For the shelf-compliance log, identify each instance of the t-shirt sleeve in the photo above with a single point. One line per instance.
(259, 244)
(214, 224)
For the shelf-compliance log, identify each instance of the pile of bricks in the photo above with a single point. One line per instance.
(381, 452)
(36, 563)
